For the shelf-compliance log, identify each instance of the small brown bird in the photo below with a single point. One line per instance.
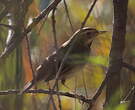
(78, 47)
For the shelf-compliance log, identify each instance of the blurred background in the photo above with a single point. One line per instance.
(16, 71)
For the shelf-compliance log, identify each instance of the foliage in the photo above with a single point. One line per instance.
(16, 71)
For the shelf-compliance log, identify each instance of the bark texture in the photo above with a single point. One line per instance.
(116, 53)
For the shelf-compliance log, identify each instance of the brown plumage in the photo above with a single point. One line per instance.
(79, 48)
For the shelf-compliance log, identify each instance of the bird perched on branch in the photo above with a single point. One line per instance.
(71, 56)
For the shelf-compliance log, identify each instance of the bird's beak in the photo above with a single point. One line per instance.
(102, 32)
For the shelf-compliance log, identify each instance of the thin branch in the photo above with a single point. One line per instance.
(42, 25)
(54, 29)
(88, 14)
(128, 66)
(55, 41)
(43, 14)
(99, 91)
(67, 94)
(67, 12)
(56, 47)
(62, 64)
(51, 99)
(132, 100)
(59, 100)
(35, 21)
(8, 26)
(129, 94)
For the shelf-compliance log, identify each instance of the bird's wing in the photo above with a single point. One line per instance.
(57, 59)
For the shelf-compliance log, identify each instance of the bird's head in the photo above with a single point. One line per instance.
(87, 34)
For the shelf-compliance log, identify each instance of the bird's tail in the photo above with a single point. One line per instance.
(27, 86)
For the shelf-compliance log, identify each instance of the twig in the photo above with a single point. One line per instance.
(51, 99)
(67, 94)
(128, 66)
(55, 42)
(59, 100)
(8, 26)
(56, 47)
(88, 14)
(42, 25)
(43, 14)
(62, 63)
(99, 91)
(35, 21)
(67, 12)
(54, 29)
(129, 94)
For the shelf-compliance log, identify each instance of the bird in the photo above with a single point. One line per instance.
(78, 47)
